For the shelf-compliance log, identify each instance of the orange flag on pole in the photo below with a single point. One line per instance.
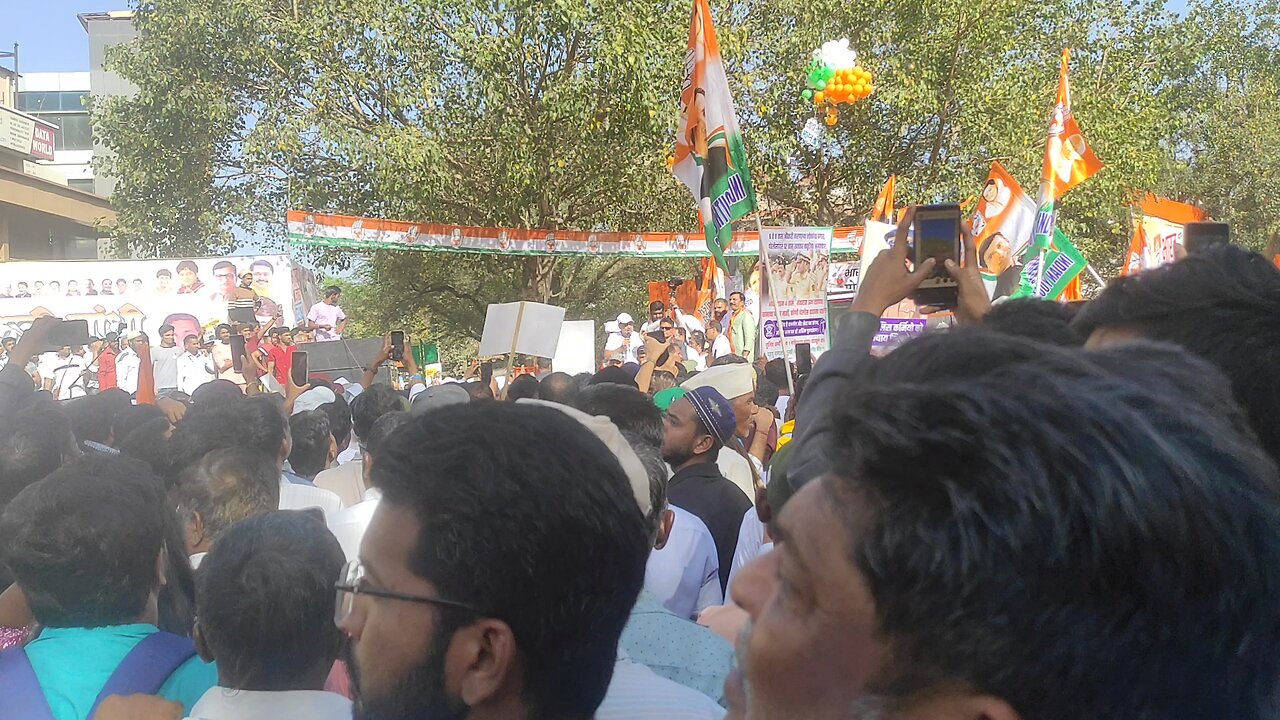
(146, 394)
(1068, 161)
(882, 211)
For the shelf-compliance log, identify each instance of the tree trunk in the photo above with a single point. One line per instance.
(538, 271)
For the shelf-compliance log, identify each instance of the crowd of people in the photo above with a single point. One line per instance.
(687, 340)
(179, 364)
(1047, 512)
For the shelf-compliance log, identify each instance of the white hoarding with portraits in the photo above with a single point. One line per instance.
(796, 291)
(128, 295)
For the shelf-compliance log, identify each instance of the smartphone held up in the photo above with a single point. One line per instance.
(936, 234)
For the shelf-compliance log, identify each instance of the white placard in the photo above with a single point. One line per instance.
(527, 327)
(576, 351)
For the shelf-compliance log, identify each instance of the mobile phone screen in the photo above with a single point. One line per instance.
(397, 345)
(937, 238)
(298, 371)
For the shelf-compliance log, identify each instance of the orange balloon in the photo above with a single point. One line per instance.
(832, 120)
(818, 97)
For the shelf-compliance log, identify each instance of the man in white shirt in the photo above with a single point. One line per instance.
(164, 360)
(62, 373)
(350, 524)
(128, 362)
(195, 366)
(626, 342)
(326, 317)
(264, 602)
(718, 341)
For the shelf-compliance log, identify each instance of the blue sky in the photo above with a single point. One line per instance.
(52, 40)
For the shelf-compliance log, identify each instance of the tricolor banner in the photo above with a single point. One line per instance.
(363, 233)
(711, 159)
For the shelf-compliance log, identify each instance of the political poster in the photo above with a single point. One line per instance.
(1157, 233)
(793, 306)
(141, 295)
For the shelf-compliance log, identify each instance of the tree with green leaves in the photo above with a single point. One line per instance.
(556, 114)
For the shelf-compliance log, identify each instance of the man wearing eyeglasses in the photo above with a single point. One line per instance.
(497, 587)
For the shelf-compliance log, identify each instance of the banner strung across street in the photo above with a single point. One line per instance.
(359, 233)
(142, 295)
(795, 289)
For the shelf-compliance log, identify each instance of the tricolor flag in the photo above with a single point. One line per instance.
(1068, 160)
(710, 157)
(882, 211)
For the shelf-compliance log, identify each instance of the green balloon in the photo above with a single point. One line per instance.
(822, 84)
(828, 72)
(807, 94)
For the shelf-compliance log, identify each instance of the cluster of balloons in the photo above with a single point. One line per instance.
(834, 79)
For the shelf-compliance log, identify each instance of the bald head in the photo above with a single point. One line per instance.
(558, 387)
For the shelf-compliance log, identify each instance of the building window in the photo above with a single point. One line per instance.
(59, 101)
(81, 184)
(75, 131)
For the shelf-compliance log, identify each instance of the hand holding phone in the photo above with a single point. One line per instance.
(936, 230)
(397, 344)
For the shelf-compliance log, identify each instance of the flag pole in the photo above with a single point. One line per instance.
(772, 288)
(1093, 273)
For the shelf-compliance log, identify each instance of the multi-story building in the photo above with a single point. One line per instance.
(41, 216)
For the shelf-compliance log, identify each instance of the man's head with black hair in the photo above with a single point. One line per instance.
(631, 410)
(264, 601)
(766, 393)
(262, 425)
(313, 444)
(199, 432)
(372, 404)
(775, 371)
(1107, 517)
(558, 387)
(224, 487)
(373, 445)
(84, 542)
(1035, 318)
(340, 423)
(524, 386)
(148, 443)
(568, 520)
(478, 390)
(216, 393)
(91, 415)
(34, 442)
(1221, 304)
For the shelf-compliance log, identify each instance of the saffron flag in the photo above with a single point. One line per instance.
(1068, 160)
(1002, 226)
(1157, 232)
(882, 211)
(711, 159)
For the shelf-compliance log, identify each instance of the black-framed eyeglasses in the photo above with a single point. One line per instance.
(353, 583)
